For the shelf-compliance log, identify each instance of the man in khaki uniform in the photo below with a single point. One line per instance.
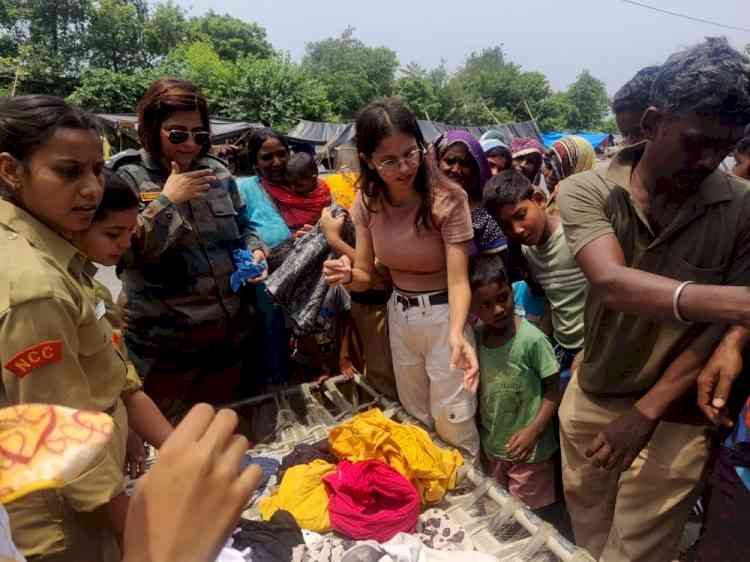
(56, 348)
(659, 237)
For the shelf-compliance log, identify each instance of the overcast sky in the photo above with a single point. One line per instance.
(610, 38)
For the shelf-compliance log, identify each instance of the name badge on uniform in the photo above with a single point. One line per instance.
(148, 196)
(100, 310)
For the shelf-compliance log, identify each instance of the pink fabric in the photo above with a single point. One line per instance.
(532, 483)
(370, 500)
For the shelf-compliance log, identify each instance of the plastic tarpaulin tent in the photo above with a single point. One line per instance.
(594, 137)
(431, 130)
(317, 133)
(222, 130)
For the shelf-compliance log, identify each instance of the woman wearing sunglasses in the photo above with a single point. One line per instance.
(416, 222)
(186, 330)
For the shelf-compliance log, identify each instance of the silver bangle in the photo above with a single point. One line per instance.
(676, 301)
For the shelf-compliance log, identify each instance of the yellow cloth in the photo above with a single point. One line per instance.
(43, 446)
(303, 494)
(407, 449)
(343, 188)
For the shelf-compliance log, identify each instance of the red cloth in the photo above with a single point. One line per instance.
(298, 210)
(370, 500)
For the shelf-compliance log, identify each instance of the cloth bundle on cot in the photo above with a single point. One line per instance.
(407, 449)
(370, 500)
(303, 494)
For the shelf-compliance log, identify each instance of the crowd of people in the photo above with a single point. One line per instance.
(553, 316)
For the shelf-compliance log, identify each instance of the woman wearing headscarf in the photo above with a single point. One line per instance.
(528, 158)
(461, 158)
(568, 156)
(496, 149)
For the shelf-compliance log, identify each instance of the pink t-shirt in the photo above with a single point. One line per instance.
(416, 258)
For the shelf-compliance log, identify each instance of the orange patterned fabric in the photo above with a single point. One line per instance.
(43, 446)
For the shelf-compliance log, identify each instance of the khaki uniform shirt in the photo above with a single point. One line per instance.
(707, 242)
(56, 348)
(114, 316)
(176, 277)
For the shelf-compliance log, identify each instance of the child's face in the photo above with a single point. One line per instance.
(305, 184)
(524, 222)
(742, 168)
(493, 303)
(106, 240)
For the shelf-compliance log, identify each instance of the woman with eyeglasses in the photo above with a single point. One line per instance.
(187, 332)
(417, 223)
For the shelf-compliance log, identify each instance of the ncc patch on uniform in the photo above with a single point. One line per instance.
(34, 357)
(147, 196)
(117, 340)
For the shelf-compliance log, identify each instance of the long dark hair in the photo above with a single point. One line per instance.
(163, 98)
(27, 122)
(118, 196)
(376, 121)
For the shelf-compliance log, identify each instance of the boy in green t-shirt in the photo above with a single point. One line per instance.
(519, 389)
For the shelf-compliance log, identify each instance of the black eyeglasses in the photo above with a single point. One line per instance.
(178, 136)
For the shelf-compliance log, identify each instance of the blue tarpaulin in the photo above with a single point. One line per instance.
(595, 138)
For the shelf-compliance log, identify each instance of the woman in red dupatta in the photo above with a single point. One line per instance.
(300, 209)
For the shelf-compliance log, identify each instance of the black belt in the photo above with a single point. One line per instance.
(410, 302)
(371, 297)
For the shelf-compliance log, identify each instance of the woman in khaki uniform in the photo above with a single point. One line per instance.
(55, 341)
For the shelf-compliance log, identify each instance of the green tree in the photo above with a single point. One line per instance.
(115, 38)
(609, 125)
(353, 73)
(555, 112)
(165, 29)
(56, 32)
(232, 38)
(589, 96)
(106, 91)
(490, 86)
(274, 91)
(200, 63)
(418, 91)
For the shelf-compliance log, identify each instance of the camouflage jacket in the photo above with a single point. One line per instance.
(176, 275)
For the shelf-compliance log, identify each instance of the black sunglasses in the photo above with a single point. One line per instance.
(177, 136)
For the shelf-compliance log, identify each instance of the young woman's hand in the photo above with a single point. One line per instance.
(181, 187)
(186, 506)
(304, 229)
(338, 271)
(464, 357)
(331, 226)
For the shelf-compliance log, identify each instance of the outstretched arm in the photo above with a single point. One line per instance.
(627, 289)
